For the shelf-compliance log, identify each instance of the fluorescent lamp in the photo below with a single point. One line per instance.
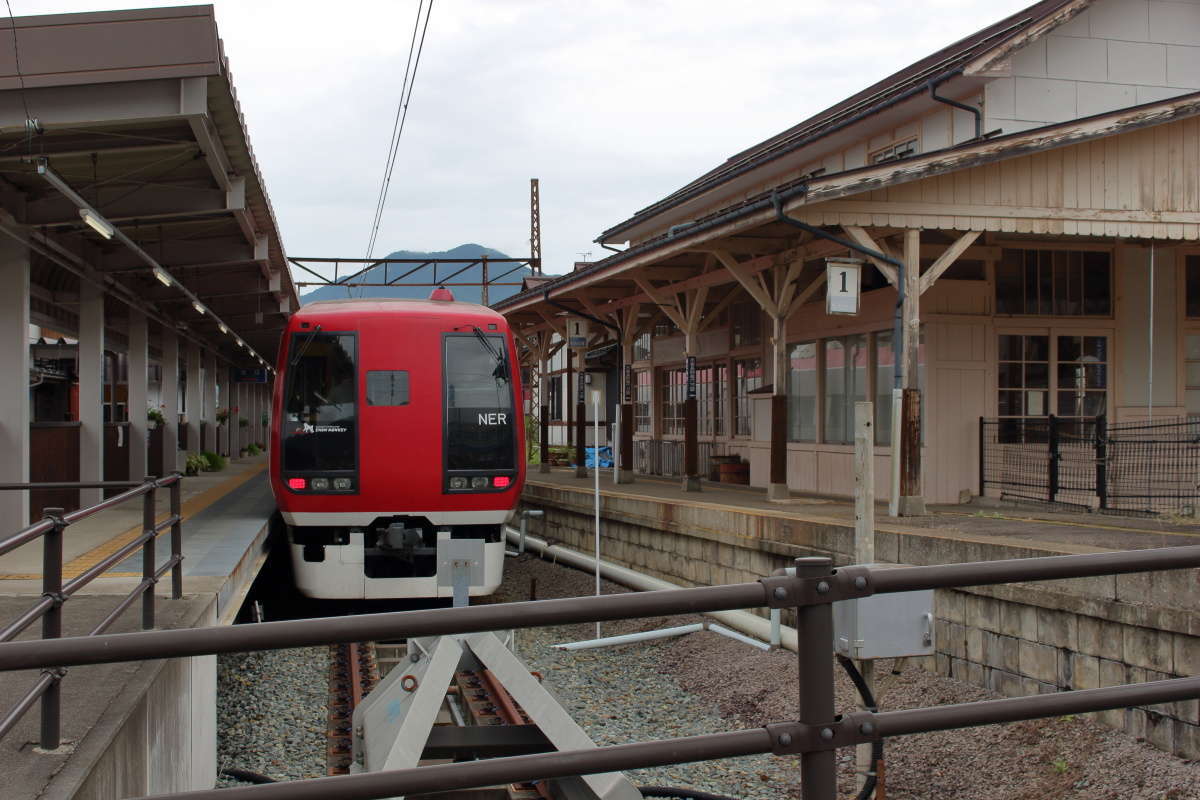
(221, 325)
(199, 308)
(97, 222)
(162, 276)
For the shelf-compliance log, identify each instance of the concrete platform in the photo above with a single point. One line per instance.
(1027, 527)
(133, 729)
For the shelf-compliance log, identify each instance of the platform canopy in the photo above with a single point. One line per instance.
(136, 121)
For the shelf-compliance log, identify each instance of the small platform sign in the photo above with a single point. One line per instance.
(246, 375)
(843, 278)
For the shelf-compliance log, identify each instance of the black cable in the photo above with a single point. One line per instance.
(246, 776)
(398, 128)
(868, 701)
(17, 60)
(680, 794)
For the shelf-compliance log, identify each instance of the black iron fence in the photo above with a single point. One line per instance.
(810, 587)
(1143, 467)
(56, 592)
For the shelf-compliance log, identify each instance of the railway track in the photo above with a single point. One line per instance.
(353, 673)
(476, 698)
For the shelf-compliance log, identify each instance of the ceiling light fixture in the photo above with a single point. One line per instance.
(200, 308)
(162, 276)
(221, 325)
(98, 223)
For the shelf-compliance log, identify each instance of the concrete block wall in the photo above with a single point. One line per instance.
(1016, 639)
(1115, 54)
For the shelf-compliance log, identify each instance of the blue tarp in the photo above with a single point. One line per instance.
(606, 458)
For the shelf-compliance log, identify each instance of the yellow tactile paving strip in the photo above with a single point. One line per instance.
(190, 508)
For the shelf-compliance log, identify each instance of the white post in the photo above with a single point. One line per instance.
(1150, 336)
(91, 391)
(897, 412)
(616, 443)
(864, 535)
(15, 413)
(596, 470)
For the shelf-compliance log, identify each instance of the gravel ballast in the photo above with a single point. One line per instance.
(271, 713)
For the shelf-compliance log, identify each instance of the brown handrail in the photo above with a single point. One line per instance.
(55, 593)
(810, 587)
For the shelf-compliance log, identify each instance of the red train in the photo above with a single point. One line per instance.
(397, 446)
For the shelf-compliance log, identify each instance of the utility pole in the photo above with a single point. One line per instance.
(535, 228)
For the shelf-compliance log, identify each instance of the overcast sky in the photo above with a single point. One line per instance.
(611, 104)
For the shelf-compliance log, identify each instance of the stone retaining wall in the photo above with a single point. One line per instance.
(1017, 639)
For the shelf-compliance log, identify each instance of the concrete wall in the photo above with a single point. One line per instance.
(1116, 54)
(167, 742)
(1017, 640)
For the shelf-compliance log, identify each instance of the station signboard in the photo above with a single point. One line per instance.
(843, 280)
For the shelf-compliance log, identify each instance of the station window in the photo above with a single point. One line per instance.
(1041, 375)
(748, 376)
(802, 393)
(845, 384)
(902, 149)
(674, 392)
(641, 347)
(1061, 283)
(641, 397)
(1192, 266)
(1192, 391)
(745, 329)
(554, 397)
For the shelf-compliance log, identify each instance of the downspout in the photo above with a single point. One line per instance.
(897, 326)
(609, 247)
(933, 95)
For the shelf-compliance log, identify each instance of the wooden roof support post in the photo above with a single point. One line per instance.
(543, 352)
(686, 310)
(906, 440)
(777, 298)
(631, 328)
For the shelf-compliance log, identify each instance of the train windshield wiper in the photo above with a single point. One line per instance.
(500, 373)
(304, 347)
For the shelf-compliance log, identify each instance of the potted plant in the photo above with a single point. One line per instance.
(155, 416)
(222, 416)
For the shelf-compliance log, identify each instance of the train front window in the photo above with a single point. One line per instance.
(318, 426)
(479, 403)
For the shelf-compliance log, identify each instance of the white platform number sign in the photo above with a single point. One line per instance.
(842, 283)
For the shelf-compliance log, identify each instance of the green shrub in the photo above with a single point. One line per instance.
(195, 464)
(252, 449)
(214, 462)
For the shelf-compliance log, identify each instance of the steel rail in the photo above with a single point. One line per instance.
(112, 648)
(512, 769)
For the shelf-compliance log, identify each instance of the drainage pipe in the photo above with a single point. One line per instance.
(744, 621)
(933, 84)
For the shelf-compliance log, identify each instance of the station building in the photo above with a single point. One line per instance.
(1035, 191)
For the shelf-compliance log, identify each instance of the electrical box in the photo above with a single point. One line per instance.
(884, 626)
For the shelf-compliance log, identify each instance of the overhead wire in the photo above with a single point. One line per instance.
(406, 89)
(17, 61)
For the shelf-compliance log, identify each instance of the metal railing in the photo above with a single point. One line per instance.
(1143, 467)
(810, 587)
(56, 592)
(665, 457)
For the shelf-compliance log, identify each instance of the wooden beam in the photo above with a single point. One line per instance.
(946, 259)
(750, 281)
(670, 307)
(863, 238)
(807, 294)
(714, 313)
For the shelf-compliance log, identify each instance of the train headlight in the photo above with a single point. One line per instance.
(320, 484)
(341, 484)
(458, 483)
(479, 482)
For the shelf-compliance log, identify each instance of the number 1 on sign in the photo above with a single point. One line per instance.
(842, 280)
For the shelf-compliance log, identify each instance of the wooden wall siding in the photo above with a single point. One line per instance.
(1144, 183)
(116, 455)
(53, 456)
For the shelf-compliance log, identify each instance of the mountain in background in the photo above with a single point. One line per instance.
(470, 294)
